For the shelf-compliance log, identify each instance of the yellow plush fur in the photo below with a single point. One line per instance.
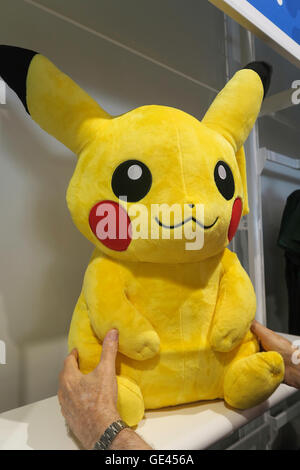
(183, 315)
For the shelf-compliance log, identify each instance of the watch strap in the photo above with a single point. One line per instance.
(109, 435)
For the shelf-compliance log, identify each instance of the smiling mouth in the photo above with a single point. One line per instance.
(180, 224)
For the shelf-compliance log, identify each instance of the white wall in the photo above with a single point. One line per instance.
(43, 256)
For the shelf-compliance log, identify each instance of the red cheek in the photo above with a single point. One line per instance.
(235, 218)
(111, 224)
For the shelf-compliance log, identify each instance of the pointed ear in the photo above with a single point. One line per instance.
(241, 161)
(51, 98)
(236, 108)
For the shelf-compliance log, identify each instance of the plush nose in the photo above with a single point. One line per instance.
(191, 205)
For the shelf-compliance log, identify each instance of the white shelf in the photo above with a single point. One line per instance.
(40, 426)
(283, 160)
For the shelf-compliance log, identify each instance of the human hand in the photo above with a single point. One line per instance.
(89, 402)
(271, 341)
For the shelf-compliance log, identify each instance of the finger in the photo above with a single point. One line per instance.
(256, 326)
(260, 330)
(265, 336)
(269, 339)
(109, 352)
(74, 353)
(71, 363)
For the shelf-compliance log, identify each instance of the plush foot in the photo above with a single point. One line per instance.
(130, 401)
(251, 380)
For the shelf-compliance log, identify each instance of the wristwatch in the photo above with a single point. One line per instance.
(109, 435)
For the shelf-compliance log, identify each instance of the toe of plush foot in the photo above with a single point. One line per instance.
(130, 401)
(253, 379)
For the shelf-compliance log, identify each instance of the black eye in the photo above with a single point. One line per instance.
(224, 180)
(131, 179)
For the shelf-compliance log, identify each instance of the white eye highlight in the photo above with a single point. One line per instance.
(134, 172)
(222, 172)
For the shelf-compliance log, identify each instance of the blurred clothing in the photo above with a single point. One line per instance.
(289, 240)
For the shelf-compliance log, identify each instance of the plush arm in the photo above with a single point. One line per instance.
(235, 308)
(105, 292)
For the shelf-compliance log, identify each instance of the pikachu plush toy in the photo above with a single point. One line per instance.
(183, 315)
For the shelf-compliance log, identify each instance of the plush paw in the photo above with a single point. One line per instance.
(225, 340)
(141, 347)
(251, 380)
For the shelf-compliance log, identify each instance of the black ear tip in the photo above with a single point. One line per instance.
(14, 65)
(265, 71)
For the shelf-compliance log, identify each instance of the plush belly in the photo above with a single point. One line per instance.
(177, 377)
(179, 301)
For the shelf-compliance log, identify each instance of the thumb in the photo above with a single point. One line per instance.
(262, 333)
(258, 329)
(269, 339)
(71, 363)
(109, 352)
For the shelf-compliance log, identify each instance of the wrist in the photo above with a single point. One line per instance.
(288, 355)
(121, 440)
(292, 376)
